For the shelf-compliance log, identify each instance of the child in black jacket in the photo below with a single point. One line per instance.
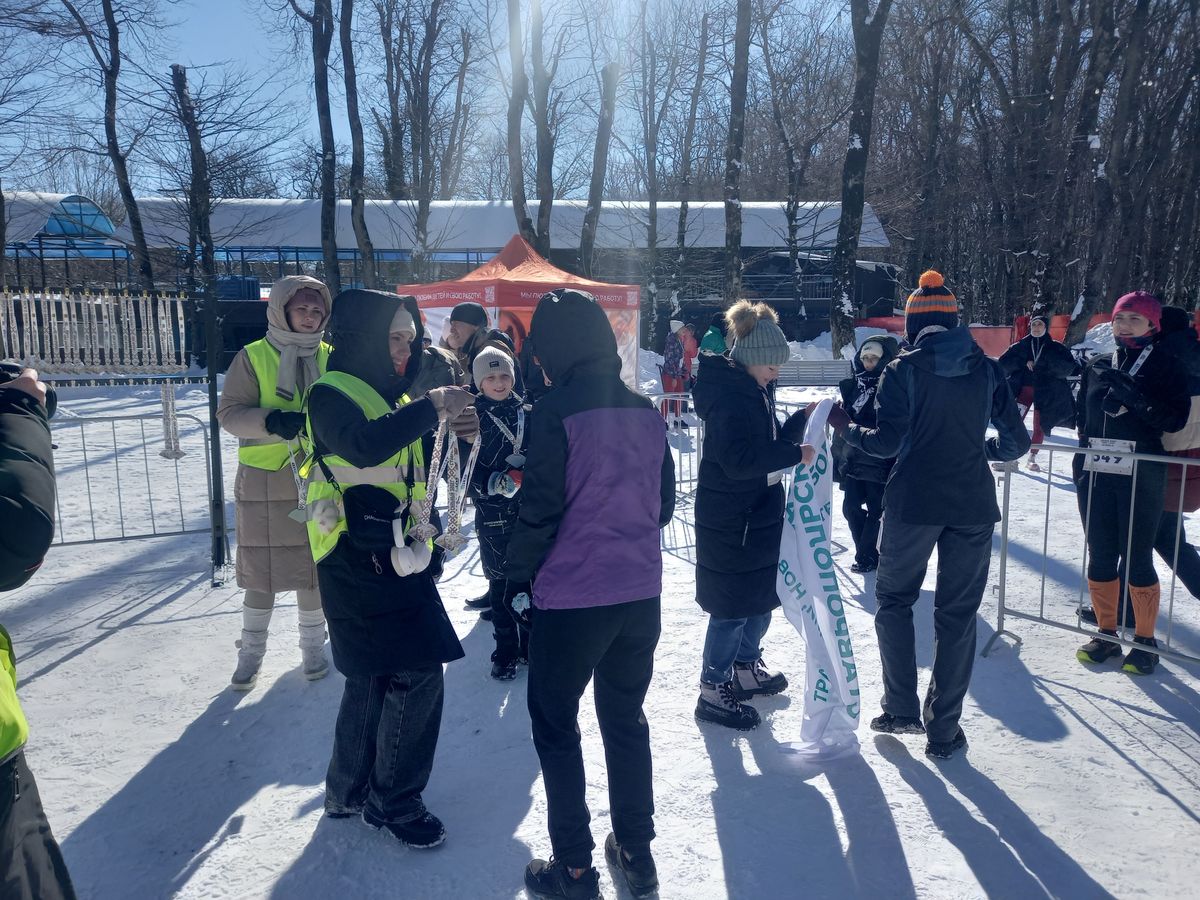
(495, 484)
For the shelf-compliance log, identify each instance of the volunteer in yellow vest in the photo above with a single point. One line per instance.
(31, 864)
(261, 406)
(387, 627)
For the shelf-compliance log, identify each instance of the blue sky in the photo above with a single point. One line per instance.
(245, 33)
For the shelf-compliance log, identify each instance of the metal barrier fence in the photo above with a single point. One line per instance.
(113, 487)
(686, 441)
(1055, 516)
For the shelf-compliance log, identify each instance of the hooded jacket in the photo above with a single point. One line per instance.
(934, 405)
(599, 479)
(858, 397)
(495, 513)
(272, 549)
(739, 514)
(1053, 364)
(26, 484)
(379, 623)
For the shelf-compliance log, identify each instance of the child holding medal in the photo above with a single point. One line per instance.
(495, 484)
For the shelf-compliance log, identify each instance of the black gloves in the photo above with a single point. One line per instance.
(285, 424)
(1122, 392)
(792, 430)
(838, 419)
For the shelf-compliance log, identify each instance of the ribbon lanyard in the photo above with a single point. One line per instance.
(1137, 363)
(516, 439)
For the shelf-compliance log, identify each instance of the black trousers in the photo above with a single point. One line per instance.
(964, 555)
(862, 505)
(568, 648)
(1124, 519)
(31, 865)
(512, 641)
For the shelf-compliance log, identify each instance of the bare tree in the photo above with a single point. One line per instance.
(610, 75)
(868, 32)
(101, 30)
(518, 94)
(320, 24)
(685, 161)
(734, 146)
(358, 154)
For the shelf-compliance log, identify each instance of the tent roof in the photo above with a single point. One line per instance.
(518, 265)
(457, 225)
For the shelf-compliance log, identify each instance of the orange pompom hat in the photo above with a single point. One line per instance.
(931, 303)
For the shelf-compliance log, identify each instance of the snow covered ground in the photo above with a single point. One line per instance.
(161, 782)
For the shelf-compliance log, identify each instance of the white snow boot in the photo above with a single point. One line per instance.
(312, 644)
(252, 647)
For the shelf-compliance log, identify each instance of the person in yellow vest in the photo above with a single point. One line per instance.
(261, 406)
(31, 864)
(388, 629)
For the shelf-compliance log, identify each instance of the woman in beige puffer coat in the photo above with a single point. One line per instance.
(260, 405)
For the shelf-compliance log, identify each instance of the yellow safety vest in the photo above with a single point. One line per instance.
(14, 730)
(271, 452)
(389, 474)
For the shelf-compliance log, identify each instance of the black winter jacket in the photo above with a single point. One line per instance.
(858, 399)
(1163, 399)
(934, 405)
(379, 623)
(26, 487)
(739, 516)
(1053, 364)
(495, 513)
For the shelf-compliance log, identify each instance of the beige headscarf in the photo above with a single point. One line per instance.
(297, 352)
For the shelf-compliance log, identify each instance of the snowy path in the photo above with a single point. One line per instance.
(160, 782)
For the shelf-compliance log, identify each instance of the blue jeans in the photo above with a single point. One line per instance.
(383, 744)
(729, 641)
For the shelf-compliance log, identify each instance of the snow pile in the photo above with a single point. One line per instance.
(648, 375)
(1099, 339)
(821, 347)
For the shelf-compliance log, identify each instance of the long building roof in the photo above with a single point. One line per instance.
(488, 224)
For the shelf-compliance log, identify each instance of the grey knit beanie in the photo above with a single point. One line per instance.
(757, 338)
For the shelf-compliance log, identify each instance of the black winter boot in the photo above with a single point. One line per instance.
(638, 867)
(718, 704)
(553, 879)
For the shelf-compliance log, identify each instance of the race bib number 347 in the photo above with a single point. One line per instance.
(1109, 455)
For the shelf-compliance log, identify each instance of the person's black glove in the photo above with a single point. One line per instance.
(792, 429)
(838, 419)
(1122, 392)
(285, 424)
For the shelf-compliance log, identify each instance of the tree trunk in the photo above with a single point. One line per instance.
(321, 24)
(3, 244)
(734, 146)
(392, 129)
(358, 217)
(609, 76)
(685, 162)
(868, 31)
(111, 69)
(543, 129)
(516, 109)
(200, 216)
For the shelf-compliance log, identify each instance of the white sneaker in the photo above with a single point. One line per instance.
(1033, 466)
(251, 649)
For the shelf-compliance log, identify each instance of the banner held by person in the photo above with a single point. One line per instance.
(808, 590)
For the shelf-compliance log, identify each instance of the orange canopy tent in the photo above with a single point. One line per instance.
(509, 286)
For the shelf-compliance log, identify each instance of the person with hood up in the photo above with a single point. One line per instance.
(933, 408)
(1038, 367)
(861, 475)
(1128, 400)
(739, 511)
(598, 486)
(388, 630)
(31, 862)
(261, 406)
